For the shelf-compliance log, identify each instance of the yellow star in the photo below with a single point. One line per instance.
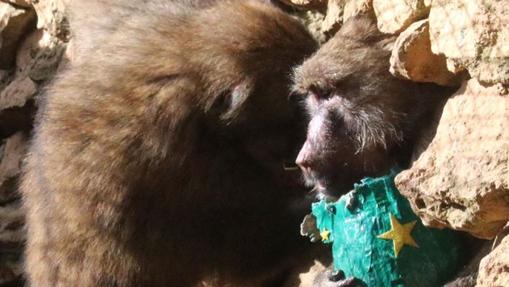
(325, 235)
(400, 234)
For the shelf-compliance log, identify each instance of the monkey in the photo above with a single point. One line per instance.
(363, 120)
(156, 158)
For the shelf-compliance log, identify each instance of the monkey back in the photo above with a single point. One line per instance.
(377, 239)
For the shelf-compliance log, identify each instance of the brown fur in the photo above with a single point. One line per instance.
(363, 119)
(157, 156)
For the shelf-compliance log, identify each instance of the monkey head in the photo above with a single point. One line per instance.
(248, 80)
(360, 115)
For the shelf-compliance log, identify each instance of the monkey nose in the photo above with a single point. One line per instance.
(303, 158)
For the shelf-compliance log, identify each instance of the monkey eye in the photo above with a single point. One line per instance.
(319, 93)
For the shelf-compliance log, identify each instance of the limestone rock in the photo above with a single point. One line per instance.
(394, 16)
(306, 4)
(51, 16)
(461, 180)
(47, 54)
(17, 93)
(412, 58)
(19, 3)
(473, 35)
(12, 233)
(14, 24)
(12, 152)
(494, 268)
(333, 17)
(357, 7)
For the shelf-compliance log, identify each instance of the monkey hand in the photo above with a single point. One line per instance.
(308, 228)
(337, 279)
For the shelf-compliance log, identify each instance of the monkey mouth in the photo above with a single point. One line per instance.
(330, 185)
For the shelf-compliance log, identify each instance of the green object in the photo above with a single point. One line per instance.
(380, 241)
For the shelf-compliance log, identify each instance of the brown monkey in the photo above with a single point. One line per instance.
(157, 154)
(363, 119)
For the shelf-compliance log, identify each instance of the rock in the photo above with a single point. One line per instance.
(333, 17)
(51, 16)
(393, 16)
(14, 24)
(27, 49)
(19, 3)
(306, 4)
(473, 35)
(358, 7)
(37, 60)
(494, 268)
(412, 58)
(12, 233)
(461, 180)
(311, 19)
(12, 152)
(48, 55)
(17, 93)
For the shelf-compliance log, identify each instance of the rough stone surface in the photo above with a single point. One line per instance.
(357, 7)
(306, 4)
(461, 180)
(494, 268)
(412, 58)
(14, 24)
(12, 234)
(395, 15)
(52, 17)
(333, 17)
(19, 3)
(473, 35)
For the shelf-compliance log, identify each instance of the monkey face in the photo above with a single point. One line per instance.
(355, 107)
(247, 85)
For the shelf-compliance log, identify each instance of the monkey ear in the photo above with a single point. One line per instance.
(228, 104)
(361, 28)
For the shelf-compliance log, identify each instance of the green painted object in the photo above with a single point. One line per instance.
(380, 241)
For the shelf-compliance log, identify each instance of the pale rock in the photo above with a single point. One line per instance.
(14, 24)
(311, 19)
(473, 35)
(494, 268)
(27, 51)
(11, 230)
(461, 180)
(17, 92)
(412, 58)
(12, 234)
(357, 7)
(333, 17)
(11, 156)
(48, 57)
(306, 4)
(393, 16)
(19, 3)
(51, 16)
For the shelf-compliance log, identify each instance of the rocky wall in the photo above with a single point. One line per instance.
(460, 176)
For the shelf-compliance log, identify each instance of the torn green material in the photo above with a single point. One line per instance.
(359, 252)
